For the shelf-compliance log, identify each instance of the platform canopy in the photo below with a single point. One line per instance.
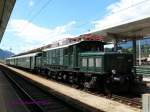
(129, 31)
(6, 7)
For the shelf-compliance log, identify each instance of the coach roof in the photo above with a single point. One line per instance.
(23, 56)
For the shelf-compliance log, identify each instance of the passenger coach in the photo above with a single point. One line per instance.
(27, 61)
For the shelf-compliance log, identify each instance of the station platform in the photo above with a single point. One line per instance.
(80, 99)
(8, 97)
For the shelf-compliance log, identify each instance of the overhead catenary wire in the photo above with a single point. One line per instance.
(38, 3)
(121, 10)
(32, 18)
(46, 4)
(131, 6)
(40, 10)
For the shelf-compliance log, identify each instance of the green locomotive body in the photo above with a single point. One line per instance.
(67, 55)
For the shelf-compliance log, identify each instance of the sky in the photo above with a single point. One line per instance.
(35, 23)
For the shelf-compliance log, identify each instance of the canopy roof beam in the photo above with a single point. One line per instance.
(6, 7)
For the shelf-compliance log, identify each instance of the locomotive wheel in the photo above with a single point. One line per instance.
(107, 87)
(59, 77)
(107, 91)
(71, 78)
(90, 82)
(86, 85)
(64, 77)
(76, 80)
(49, 74)
(39, 71)
(55, 75)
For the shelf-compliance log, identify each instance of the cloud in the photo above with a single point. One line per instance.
(34, 36)
(123, 11)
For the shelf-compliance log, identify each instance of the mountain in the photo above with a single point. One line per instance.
(5, 54)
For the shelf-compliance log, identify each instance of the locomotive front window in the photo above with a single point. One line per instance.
(84, 62)
(91, 62)
(98, 62)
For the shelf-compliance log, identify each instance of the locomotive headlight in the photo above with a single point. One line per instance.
(113, 71)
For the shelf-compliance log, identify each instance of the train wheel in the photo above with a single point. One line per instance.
(76, 80)
(107, 87)
(90, 82)
(71, 79)
(49, 74)
(86, 85)
(64, 77)
(39, 71)
(55, 75)
(59, 77)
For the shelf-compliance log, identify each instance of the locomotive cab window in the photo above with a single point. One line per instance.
(84, 62)
(91, 62)
(98, 62)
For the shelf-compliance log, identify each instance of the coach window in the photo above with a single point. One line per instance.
(91, 62)
(98, 62)
(84, 62)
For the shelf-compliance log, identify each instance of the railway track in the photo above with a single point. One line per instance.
(125, 99)
(136, 102)
(130, 99)
(36, 99)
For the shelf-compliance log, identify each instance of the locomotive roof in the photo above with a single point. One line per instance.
(63, 46)
(22, 56)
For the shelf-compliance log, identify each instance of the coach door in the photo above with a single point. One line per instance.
(32, 61)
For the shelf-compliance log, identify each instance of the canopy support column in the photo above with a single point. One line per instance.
(115, 45)
(134, 52)
(139, 53)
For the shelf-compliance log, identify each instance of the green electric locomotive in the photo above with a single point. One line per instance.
(85, 63)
